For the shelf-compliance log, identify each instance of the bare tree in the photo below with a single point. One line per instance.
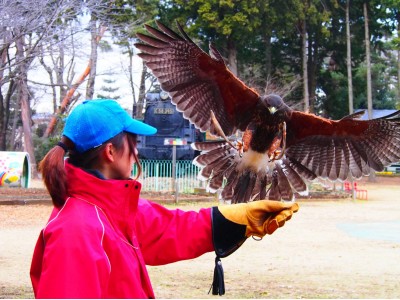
(67, 100)
(7, 88)
(26, 25)
(96, 33)
(131, 53)
(348, 61)
(398, 54)
(23, 95)
(306, 95)
(372, 176)
(142, 94)
(368, 59)
(57, 58)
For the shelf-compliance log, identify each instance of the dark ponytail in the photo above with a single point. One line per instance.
(53, 171)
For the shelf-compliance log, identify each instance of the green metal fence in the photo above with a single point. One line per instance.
(157, 176)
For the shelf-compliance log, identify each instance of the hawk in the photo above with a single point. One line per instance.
(280, 149)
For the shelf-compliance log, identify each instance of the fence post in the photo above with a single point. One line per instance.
(176, 192)
(156, 177)
(173, 178)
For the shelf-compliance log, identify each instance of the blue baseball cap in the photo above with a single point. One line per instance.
(94, 122)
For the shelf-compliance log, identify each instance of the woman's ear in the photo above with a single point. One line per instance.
(109, 152)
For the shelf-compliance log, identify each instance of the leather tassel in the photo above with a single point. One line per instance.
(218, 285)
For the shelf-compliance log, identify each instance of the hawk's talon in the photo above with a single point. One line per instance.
(283, 141)
(240, 147)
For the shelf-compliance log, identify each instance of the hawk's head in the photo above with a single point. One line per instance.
(273, 102)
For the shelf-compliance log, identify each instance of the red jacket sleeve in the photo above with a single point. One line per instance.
(167, 236)
(73, 262)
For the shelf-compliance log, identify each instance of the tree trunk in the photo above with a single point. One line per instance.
(49, 71)
(5, 100)
(142, 94)
(398, 72)
(232, 57)
(23, 94)
(93, 58)
(59, 70)
(368, 60)
(348, 61)
(131, 81)
(372, 176)
(398, 57)
(13, 134)
(3, 125)
(312, 70)
(306, 97)
(6, 113)
(268, 61)
(66, 101)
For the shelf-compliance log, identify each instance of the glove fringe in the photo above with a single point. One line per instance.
(218, 284)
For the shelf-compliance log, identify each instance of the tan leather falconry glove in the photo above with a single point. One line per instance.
(233, 224)
(260, 217)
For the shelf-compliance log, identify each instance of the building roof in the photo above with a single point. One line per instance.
(376, 113)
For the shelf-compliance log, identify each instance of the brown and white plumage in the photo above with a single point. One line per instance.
(280, 148)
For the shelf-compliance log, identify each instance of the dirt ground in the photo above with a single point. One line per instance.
(330, 249)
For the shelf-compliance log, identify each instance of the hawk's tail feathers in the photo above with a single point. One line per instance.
(219, 165)
(207, 146)
(288, 177)
(217, 160)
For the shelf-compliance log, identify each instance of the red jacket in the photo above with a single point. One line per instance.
(98, 243)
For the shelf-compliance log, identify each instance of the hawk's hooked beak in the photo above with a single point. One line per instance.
(272, 109)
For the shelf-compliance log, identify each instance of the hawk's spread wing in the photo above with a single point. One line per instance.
(197, 82)
(316, 147)
(281, 151)
(345, 148)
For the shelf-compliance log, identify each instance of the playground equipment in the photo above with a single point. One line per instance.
(15, 169)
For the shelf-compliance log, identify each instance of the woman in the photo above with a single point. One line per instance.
(101, 235)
